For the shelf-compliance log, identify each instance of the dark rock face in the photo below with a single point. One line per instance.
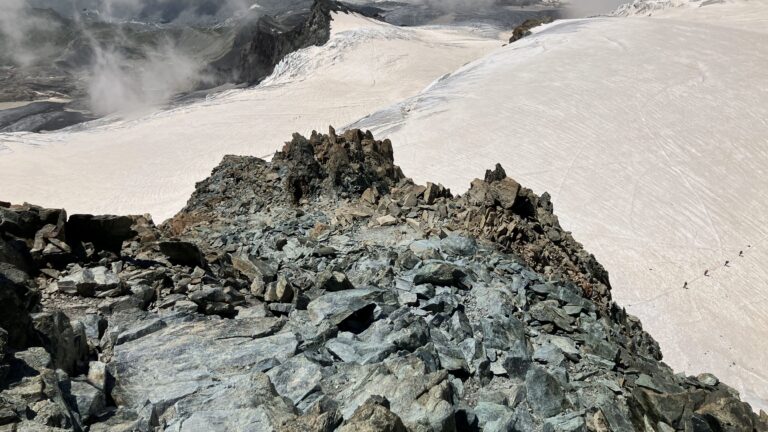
(105, 232)
(39, 117)
(260, 44)
(524, 29)
(324, 291)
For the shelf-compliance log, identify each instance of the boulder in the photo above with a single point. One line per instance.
(545, 393)
(440, 274)
(435, 191)
(496, 190)
(182, 253)
(16, 301)
(374, 416)
(21, 221)
(66, 342)
(458, 245)
(570, 422)
(280, 291)
(336, 307)
(386, 220)
(105, 232)
(254, 269)
(92, 282)
(333, 281)
(87, 400)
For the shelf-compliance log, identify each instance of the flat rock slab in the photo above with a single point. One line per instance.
(185, 360)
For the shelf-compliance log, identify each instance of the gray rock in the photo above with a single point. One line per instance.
(88, 400)
(183, 253)
(3, 342)
(197, 360)
(547, 312)
(105, 232)
(441, 274)
(143, 294)
(707, 379)
(254, 269)
(571, 422)
(246, 402)
(545, 393)
(420, 400)
(441, 303)
(349, 348)
(92, 282)
(296, 378)
(97, 375)
(374, 416)
(138, 331)
(94, 325)
(185, 307)
(458, 245)
(67, 344)
(3, 367)
(333, 281)
(386, 220)
(494, 417)
(426, 249)
(503, 333)
(280, 291)
(550, 354)
(450, 355)
(335, 307)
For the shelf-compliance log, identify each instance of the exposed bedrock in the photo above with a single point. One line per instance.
(325, 291)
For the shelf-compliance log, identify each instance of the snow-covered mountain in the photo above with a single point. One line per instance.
(649, 7)
(649, 132)
(151, 162)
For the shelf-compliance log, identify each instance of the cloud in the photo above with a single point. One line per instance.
(459, 5)
(21, 33)
(117, 84)
(122, 69)
(585, 8)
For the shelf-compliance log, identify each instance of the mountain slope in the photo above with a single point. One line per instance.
(650, 133)
(323, 291)
(152, 163)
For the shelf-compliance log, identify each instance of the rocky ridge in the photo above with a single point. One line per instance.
(325, 291)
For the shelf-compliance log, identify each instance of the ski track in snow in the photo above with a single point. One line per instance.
(651, 135)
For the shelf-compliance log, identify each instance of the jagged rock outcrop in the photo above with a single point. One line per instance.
(325, 291)
(524, 29)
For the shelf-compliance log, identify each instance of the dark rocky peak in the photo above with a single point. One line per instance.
(346, 164)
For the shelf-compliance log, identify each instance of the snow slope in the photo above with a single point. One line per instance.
(151, 163)
(651, 134)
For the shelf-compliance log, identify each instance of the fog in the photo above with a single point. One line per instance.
(16, 26)
(585, 8)
(120, 72)
(165, 11)
(458, 5)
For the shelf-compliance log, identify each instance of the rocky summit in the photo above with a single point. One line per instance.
(325, 291)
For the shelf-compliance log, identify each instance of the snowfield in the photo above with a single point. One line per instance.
(651, 134)
(151, 163)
